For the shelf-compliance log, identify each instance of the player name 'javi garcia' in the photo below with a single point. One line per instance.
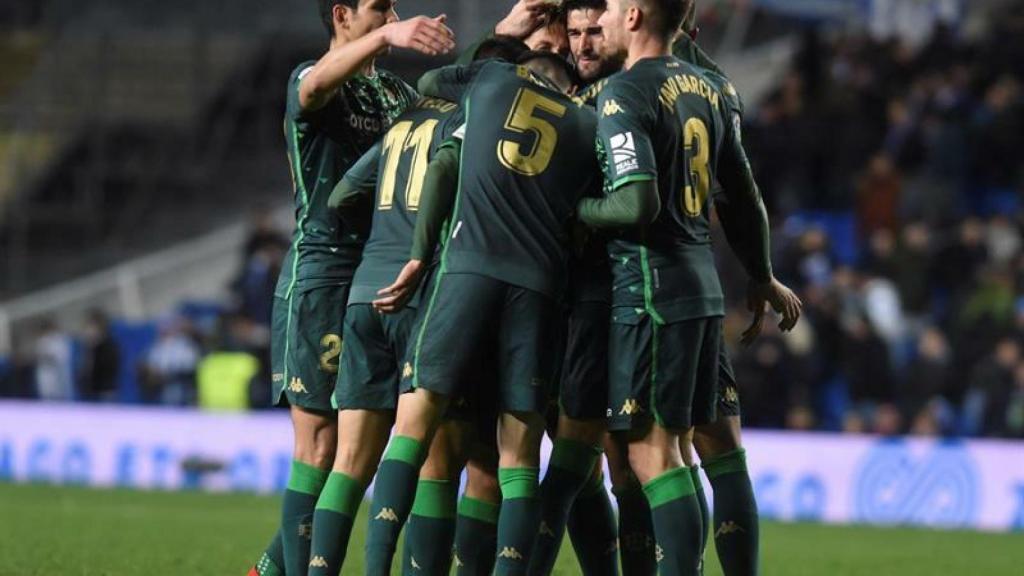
(676, 86)
(442, 106)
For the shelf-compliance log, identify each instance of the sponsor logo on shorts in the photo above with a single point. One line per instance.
(318, 562)
(610, 108)
(296, 386)
(407, 370)
(510, 553)
(624, 153)
(386, 514)
(277, 377)
(726, 528)
(630, 407)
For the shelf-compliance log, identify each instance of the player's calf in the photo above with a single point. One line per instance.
(476, 534)
(519, 438)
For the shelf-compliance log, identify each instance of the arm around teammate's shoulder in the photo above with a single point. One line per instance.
(426, 35)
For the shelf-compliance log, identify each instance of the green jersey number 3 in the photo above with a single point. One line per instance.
(523, 119)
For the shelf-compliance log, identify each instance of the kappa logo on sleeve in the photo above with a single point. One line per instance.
(623, 153)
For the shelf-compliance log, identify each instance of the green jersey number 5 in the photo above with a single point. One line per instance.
(523, 119)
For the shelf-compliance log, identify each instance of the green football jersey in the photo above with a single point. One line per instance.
(322, 145)
(395, 168)
(661, 120)
(527, 158)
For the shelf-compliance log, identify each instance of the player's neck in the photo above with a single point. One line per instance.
(646, 46)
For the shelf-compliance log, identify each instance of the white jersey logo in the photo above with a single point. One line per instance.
(623, 153)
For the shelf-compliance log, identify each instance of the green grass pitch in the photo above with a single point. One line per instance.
(51, 531)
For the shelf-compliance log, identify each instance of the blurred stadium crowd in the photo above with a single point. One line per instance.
(892, 176)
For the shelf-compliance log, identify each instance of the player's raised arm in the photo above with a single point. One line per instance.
(436, 202)
(344, 60)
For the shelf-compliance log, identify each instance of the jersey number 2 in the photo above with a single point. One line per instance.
(698, 152)
(522, 119)
(399, 139)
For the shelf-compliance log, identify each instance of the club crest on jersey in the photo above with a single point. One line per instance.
(623, 152)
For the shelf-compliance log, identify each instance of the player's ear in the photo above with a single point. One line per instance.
(634, 18)
(342, 16)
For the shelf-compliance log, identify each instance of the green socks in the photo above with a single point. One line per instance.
(570, 466)
(271, 563)
(736, 519)
(304, 485)
(333, 518)
(592, 529)
(677, 522)
(636, 532)
(476, 537)
(393, 496)
(518, 521)
(430, 533)
(705, 514)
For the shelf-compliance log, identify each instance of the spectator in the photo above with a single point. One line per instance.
(53, 363)
(990, 389)
(102, 359)
(169, 368)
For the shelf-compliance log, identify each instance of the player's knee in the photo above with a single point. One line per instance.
(654, 455)
(519, 439)
(718, 437)
(586, 431)
(482, 482)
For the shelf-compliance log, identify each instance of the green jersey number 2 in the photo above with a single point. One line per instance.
(523, 119)
(400, 139)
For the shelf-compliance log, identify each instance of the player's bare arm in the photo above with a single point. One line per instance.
(345, 59)
(524, 17)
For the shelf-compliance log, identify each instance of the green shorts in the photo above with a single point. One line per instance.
(665, 373)
(583, 386)
(373, 358)
(474, 325)
(305, 345)
(727, 395)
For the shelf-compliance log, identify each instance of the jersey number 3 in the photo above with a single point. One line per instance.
(698, 152)
(522, 119)
(399, 139)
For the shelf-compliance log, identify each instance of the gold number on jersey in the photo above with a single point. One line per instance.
(698, 151)
(329, 359)
(398, 140)
(521, 120)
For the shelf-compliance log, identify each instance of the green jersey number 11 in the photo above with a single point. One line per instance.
(399, 140)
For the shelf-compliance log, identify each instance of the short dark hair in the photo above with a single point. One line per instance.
(570, 5)
(327, 12)
(668, 15)
(507, 48)
(557, 62)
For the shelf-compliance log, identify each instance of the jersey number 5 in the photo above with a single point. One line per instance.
(522, 119)
(698, 152)
(399, 139)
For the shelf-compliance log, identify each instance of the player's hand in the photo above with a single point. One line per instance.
(782, 300)
(394, 297)
(525, 17)
(430, 36)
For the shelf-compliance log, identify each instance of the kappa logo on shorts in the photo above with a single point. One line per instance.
(386, 514)
(318, 562)
(510, 553)
(296, 386)
(630, 407)
(730, 394)
(727, 528)
(624, 152)
(407, 370)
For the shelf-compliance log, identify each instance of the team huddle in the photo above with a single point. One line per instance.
(520, 246)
